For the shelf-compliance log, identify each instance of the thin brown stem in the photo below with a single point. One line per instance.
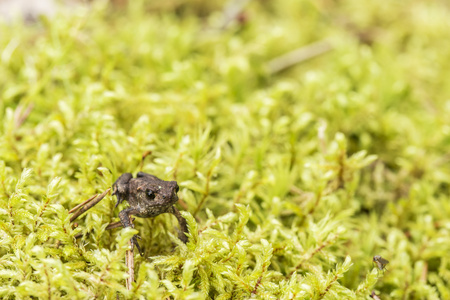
(42, 212)
(328, 287)
(208, 226)
(89, 205)
(205, 194)
(182, 203)
(257, 285)
(318, 197)
(81, 204)
(177, 164)
(49, 286)
(341, 182)
(129, 260)
(114, 225)
(141, 164)
(317, 250)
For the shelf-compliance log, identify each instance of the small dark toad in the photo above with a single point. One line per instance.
(148, 197)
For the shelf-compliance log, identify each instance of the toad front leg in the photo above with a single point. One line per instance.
(183, 224)
(125, 219)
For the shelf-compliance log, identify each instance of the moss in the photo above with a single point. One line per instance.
(291, 182)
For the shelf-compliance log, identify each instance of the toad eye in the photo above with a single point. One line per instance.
(150, 194)
(177, 189)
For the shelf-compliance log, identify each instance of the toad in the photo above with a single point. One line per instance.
(148, 197)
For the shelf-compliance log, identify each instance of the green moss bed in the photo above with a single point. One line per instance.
(291, 179)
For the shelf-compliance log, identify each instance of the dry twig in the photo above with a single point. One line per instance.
(297, 56)
(81, 204)
(129, 260)
(88, 204)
